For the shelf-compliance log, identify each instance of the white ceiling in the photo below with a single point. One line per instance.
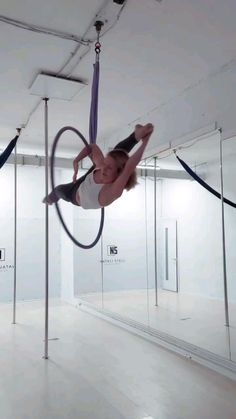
(150, 56)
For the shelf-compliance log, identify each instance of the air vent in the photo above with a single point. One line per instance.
(54, 87)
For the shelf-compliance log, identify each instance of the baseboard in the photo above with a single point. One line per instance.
(190, 352)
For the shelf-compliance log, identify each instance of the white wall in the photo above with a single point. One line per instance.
(209, 101)
(198, 215)
(229, 171)
(67, 246)
(30, 236)
(199, 237)
(125, 228)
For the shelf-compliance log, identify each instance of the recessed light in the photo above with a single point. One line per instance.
(140, 166)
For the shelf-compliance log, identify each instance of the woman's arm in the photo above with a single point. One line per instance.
(130, 166)
(116, 189)
(84, 153)
(93, 152)
(96, 156)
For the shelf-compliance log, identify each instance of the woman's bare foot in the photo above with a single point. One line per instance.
(51, 198)
(142, 130)
(46, 200)
(138, 131)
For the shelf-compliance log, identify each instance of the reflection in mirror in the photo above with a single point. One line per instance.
(30, 261)
(179, 288)
(189, 301)
(229, 176)
(125, 255)
(88, 284)
(7, 234)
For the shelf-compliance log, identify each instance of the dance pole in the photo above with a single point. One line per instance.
(15, 234)
(223, 236)
(155, 230)
(46, 229)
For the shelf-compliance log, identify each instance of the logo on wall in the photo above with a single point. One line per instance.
(112, 252)
(2, 255)
(3, 266)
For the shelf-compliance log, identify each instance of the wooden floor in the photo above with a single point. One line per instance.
(99, 371)
(195, 319)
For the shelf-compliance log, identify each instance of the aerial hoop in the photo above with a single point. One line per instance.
(59, 213)
(92, 136)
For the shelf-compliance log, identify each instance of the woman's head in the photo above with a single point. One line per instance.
(113, 165)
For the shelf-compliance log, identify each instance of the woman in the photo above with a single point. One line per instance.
(106, 180)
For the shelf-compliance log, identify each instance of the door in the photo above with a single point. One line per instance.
(167, 253)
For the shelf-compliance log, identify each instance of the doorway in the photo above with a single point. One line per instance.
(167, 254)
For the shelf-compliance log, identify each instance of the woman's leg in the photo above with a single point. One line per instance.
(67, 191)
(60, 192)
(127, 144)
(131, 141)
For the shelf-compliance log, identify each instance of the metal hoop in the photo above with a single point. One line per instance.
(54, 146)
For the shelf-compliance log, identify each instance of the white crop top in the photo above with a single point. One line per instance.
(88, 193)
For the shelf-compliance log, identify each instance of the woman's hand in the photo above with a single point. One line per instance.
(148, 133)
(74, 177)
(76, 168)
(141, 131)
(146, 138)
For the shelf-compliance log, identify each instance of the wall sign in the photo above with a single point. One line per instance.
(112, 253)
(112, 250)
(4, 266)
(2, 255)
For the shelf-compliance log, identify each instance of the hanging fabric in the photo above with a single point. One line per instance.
(7, 152)
(202, 183)
(92, 140)
(93, 118)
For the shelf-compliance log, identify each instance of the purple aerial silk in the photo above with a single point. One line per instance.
(93, 118)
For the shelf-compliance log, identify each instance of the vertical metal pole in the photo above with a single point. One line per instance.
(155, 229)
(102, 271)
(146, 231)
(15, 234)
(223, 237)
(46, 230)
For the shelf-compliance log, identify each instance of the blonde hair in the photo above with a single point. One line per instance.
(121, 157)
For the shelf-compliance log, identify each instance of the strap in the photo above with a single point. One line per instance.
(204, 184)
(6, 153)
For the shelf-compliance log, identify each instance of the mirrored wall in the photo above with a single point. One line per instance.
(229, 188)
(160, 262)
